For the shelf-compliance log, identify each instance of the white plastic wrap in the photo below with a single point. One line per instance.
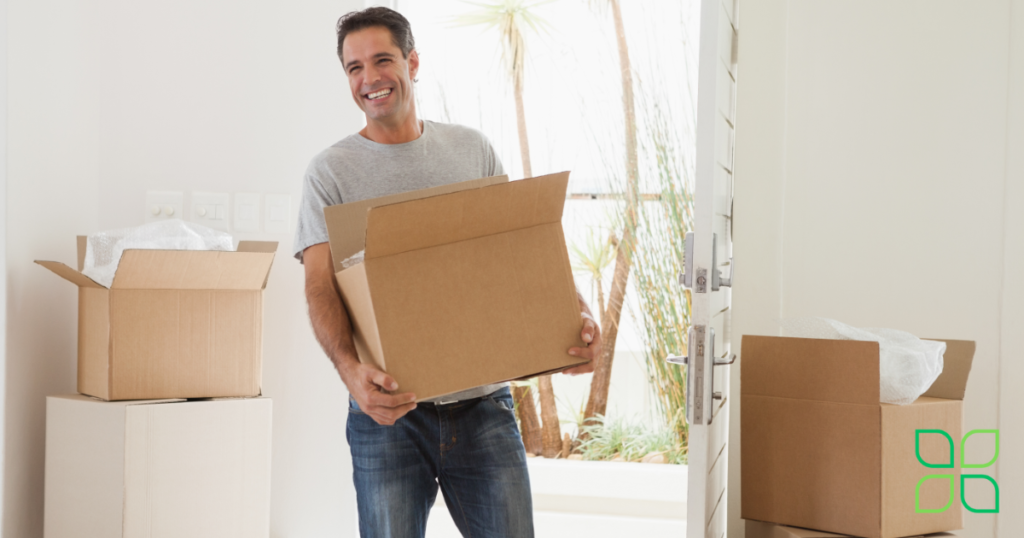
(103, 250)
(908, 365)
(354, 259)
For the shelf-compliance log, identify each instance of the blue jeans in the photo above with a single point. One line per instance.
(471, 449)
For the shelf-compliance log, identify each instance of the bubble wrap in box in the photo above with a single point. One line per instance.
(103, 250)
(908, 365)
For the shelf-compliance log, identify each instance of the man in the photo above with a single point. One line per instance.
(398, 462)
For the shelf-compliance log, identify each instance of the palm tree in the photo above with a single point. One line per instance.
(512, 18)
(591, 259)
(598, 401)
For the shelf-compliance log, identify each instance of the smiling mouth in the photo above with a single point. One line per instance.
(379, 94)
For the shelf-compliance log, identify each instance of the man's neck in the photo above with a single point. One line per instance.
(406, 131)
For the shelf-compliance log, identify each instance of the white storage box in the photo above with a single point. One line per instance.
(155, 468)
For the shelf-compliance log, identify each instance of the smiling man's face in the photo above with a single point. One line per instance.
(379, 77)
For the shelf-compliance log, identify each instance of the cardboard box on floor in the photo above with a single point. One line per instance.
(819, 451)
(173, 324)
(760, 529)
(157, 468)
(461, 285)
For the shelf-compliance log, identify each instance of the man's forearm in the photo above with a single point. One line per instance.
(331, 324)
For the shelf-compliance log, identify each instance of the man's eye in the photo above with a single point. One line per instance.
(353, 70)
(384, 60)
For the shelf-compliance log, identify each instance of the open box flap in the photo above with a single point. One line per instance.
(269, 247)
(956, 367)
(70, 274)
(192, 270)
(83, 242)
(346, 223)
(465, 215)
(843, 371)
(257, 246)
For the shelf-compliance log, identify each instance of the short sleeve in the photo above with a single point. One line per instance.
(492, 160)
(312, 229)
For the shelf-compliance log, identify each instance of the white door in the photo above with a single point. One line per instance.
(708, 273)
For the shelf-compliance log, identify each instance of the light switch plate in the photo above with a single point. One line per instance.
(247, 212)
(164, 205)
(210, 209)
(277, 214)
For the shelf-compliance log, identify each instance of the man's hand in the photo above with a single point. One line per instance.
(591, 334)
(366, 385)
(334, 332)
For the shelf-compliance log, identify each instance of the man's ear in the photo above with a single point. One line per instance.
(414, 63)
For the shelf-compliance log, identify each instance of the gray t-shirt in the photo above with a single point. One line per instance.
(357, 168)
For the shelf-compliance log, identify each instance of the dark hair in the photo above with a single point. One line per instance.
(401, 32)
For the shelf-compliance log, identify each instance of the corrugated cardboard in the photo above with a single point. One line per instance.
(144, 469)
(760, 529)
(173, 324)
(461, 289)
(819, 450)
(346, 223)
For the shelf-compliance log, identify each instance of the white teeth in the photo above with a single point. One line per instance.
(376, 95)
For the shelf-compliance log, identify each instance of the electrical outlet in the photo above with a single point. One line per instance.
(247, 212)
(210, 209)
(163, 205)
(277, 215)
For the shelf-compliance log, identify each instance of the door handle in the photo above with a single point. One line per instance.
(686, 277)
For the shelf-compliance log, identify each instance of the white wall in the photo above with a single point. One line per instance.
(1011, 368)
(52, 175)
(879, 182)
(108, 99)
(3, 233)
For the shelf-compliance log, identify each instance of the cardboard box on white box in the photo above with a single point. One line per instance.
(760, 529)
(174, 323)
(821, 452)
(133, 469)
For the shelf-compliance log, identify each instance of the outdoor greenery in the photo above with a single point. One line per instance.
(629, 441)
(658, 260)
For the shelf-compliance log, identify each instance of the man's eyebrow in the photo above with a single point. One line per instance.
(375, 56)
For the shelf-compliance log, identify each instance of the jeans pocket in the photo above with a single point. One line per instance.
(353, 407)
(502, 399)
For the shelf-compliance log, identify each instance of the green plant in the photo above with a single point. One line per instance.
(659, 234)
(592, 258)
(608, 439)
(664, 306)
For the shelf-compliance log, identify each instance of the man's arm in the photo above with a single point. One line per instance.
(334, 332)
(591, 334)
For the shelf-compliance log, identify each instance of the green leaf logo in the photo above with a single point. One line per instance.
(951, 478)
(993, 510)
(963, 450)
(917, 450)
(917, 494)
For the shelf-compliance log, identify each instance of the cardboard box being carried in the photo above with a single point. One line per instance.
(760, 529)
(157, 468)
(461, 285)
(174, 323)
(819, 451)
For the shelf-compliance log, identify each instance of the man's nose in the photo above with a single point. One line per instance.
(371, 75)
